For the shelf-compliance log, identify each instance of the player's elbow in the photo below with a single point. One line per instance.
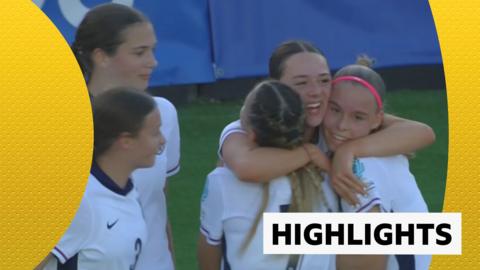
(432, 135)
(429, 134)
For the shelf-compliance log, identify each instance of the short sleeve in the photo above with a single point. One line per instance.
(173, 149)
(211, 210)
(77, 235)
(369, 172)
(170, 129)
(234, 127)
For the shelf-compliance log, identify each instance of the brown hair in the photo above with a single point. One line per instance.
(284, 51)
(116, 111)
(102, 27)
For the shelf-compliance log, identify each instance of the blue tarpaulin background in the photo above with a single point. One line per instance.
(205, 40)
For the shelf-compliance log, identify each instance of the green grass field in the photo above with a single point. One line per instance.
(202, 122)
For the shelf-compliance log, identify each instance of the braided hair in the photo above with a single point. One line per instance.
(277, 118)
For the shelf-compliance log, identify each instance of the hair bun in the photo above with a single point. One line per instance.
(365, 60)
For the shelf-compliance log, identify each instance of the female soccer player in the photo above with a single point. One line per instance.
(109, 231)
(231, 210)
(304, 68)
(114, 45)
(355, 110)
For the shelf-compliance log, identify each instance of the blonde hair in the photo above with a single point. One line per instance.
(276, 116)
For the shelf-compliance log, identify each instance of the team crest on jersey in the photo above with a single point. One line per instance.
(358, 169)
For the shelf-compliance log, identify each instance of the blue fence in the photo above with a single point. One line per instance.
(205, 40)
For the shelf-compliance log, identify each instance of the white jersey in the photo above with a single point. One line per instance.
(108, 230)
(233, 127)
(228, 210)
(150, 183)
(392, 188)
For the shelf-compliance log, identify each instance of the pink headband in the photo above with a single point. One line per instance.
(364, 83)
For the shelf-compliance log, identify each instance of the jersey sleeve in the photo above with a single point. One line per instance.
(170, 129)
(371, 175)
(77, 235)
(173, 149)
(211, 211)
(234, 127)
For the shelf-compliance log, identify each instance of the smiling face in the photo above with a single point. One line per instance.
(134, 60)
(147, 142)
(352, 113)
(308, 74)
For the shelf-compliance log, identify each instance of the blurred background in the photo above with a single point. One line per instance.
(212, 52)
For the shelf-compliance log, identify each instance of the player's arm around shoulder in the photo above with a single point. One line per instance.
(260, 164)
(395, 136)
(403, 136)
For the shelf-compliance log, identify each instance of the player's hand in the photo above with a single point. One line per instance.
(317, 157)
(343, 180)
